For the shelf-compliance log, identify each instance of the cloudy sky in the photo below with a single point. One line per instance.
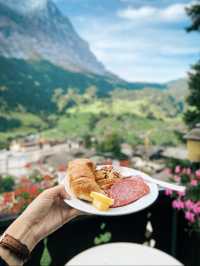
(139, 40)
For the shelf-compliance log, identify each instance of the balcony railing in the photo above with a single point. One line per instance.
(166, 231)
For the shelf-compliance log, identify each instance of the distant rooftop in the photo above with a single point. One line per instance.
(194, 134)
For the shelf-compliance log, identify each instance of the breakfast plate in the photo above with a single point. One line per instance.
(135, 206)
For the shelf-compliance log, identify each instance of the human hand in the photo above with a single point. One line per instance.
(43, 216)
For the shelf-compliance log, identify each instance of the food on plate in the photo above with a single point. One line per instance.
(82, 180)
(106, 177)
(127, 191)
(104, 187)
(101, 202)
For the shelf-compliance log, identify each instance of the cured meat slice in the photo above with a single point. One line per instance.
(127, 191)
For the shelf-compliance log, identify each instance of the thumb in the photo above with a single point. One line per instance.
(57, 191)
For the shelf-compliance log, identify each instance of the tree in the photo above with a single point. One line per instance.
(90, 94)
(64, 100)
(111, 143)
(192, 115)
(194, 13)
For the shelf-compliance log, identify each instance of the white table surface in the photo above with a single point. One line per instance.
(123, 254)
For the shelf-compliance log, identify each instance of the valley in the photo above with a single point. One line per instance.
(58, 89)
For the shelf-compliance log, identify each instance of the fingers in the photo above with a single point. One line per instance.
(74, 212)
(69, 214)
(55, 192)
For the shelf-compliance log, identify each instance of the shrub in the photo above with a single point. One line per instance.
(7, 184)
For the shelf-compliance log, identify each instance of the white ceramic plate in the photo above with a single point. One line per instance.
(130, 208)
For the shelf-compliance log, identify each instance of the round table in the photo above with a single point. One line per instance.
(123, 254)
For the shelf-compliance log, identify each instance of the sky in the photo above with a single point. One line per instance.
(139, 40)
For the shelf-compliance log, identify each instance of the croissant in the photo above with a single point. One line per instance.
(81, 174)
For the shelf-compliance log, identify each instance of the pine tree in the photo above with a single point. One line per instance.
(192, 115)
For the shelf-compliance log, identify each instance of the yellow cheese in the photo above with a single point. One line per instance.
(101, 202)
(100, 205)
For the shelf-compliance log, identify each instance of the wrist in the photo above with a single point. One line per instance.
(21, 231)
(9, 258)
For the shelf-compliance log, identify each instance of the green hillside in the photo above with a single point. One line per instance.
(30, 85)
(37, 96)
(129, 127)
(131, 115)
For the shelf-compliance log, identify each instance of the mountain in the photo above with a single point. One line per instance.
(37, 30)
(40, 51)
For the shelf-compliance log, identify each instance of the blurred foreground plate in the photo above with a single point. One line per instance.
(123, 254)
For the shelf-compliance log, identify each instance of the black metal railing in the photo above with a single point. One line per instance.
(168, 233)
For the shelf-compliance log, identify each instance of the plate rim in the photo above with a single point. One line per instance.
(153, 187)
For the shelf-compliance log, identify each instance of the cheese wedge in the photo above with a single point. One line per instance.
(100, 201)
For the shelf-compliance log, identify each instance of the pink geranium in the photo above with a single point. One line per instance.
(177, 178)
(167, 171)
(197, 173)
(189, 204)
(196, 208)
(184, 170)
(189, 200)
(178, 204)
(188, 171)
(168, 192)
(194, 182)
(190, 216)
(181, 193)
(177, 169)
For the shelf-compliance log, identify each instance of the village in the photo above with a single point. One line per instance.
(36, 153)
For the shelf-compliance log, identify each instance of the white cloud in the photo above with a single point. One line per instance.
(178, 50)
(138, 52)
(174, 12)
(146, 55)
(171, 13)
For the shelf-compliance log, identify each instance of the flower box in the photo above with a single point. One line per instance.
(189, 201)
(25, 191)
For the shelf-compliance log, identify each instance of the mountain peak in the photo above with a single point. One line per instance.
(25, 6)
(36, 29)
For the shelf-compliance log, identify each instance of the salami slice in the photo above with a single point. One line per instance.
(127, 191)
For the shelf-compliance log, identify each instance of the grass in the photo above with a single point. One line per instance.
(132, 128)
(28, 124)
(133, 119)
(29, 120)
(142, 106)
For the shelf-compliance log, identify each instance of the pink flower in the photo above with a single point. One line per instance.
(194, 182)
(168, 192)
(177, 178)
(190, 216)
(197, 173)
(189, 204)
(196, 208)
(181, 193)
(188, 171)
(178, 204)
(184, 170)
(167, 171)
(177, 169)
